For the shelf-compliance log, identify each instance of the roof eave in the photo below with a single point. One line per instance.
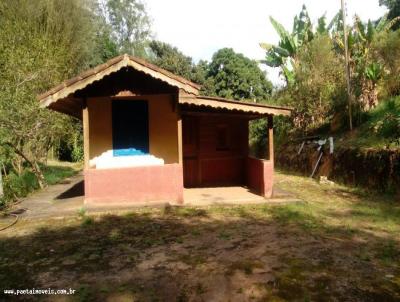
(221, 103)
(83, 80)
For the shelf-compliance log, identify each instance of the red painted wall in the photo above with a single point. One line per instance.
(205, 162)
(260, 176)
(135, 184)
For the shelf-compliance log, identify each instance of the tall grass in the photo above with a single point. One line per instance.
(18, 186)
(380, 129)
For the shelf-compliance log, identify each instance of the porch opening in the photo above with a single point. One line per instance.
(216, 152)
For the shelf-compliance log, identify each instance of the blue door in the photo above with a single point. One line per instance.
(130, 122)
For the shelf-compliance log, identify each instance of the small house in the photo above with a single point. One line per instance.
(148, 134)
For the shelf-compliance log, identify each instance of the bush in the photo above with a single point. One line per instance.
(385, 119)
(319, 89)
(386, 50)
(18, 186)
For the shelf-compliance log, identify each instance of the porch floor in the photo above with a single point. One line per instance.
(221, 195)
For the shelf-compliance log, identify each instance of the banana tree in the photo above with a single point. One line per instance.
(366, 72)
(284, 55)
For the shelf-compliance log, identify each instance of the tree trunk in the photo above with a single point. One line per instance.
(39, 175)
(17, 164)
(34, 165)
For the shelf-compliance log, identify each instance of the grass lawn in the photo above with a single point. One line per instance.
(56, 171)
(337, 245)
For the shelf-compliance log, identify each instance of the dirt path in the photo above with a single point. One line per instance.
(338, 246)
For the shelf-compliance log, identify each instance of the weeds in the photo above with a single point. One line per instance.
(18, 186)
(389, 252)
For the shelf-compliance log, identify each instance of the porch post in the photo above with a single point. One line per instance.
(180, 137)
(85, 122)
(271, 137)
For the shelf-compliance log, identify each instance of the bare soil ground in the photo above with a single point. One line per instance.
(339, 244)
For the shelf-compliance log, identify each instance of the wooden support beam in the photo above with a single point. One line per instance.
(180, 145)
(221, 114)
(271, 137)
(85, 121)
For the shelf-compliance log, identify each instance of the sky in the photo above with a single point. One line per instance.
(200, 28)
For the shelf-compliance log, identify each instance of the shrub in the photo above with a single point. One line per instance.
(17, 186)
(385, 119)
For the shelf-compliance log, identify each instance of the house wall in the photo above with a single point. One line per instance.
(205, 164)
(100, 126)
(163, 126)
(222, 167)
(260, 176)
(134, 185)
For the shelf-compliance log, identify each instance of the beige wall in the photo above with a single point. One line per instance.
(100, 129)
(163, 127)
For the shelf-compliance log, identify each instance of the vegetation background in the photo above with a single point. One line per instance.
(44, 42)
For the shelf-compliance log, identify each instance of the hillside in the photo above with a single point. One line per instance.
(380, 128)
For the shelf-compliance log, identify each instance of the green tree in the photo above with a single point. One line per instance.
(130, 25)
(319, 89)
(386, 53)
(41, 43)
(105, 46)
(394, 10)
(284, 55)
(238, 77)
(366, 71)
(201, 76)
(170, 58)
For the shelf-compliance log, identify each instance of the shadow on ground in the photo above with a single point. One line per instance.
(76, 190)
(257, 253)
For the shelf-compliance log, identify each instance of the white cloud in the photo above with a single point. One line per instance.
(199, 28)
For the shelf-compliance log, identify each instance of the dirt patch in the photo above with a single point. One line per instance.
(313, 251)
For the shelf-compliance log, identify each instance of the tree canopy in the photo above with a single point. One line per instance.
(394, 9)
(172, 59)
(129, 23)
(238, 77)
(42, 43)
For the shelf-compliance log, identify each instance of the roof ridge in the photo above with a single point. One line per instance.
(126, 58)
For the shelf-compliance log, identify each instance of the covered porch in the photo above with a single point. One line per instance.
(215, 145)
